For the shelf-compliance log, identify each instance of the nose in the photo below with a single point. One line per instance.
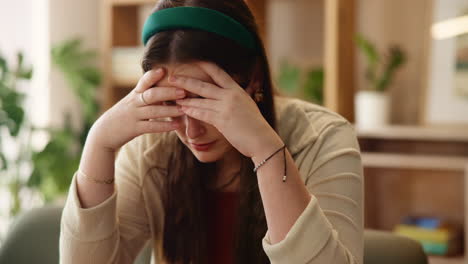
(193, 127)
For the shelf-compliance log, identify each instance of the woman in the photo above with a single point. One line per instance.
(212, 164)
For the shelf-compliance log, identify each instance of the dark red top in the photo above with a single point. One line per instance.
(221, 221)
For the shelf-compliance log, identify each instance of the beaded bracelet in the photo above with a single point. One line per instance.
(265, 160)
(109, 181)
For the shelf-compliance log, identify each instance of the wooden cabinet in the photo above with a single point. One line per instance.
(415, 171)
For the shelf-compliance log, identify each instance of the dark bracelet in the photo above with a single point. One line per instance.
(265, 160)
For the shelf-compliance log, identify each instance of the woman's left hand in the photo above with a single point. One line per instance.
(229, 108)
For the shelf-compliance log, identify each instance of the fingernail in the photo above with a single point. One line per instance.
(158, 71)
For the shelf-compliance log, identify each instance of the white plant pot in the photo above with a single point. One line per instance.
(372, 109)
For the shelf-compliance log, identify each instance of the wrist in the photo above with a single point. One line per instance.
(266, 147)
(95, 141)
(95, 152)
(97, 162)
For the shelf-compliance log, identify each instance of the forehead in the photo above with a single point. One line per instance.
(187, 70)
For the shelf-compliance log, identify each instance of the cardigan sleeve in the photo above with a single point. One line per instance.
(330, 229)
(113, 231)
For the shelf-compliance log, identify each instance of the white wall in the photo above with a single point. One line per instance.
(15, 26)
(295, 32)
(443, 105)
(403, 23)
(69, 19)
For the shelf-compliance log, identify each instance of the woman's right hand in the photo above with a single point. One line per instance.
(131, 117)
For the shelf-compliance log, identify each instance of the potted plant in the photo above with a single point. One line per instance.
(47, 173)
(50, 169)
(66, 143)
(14, 129)
(373, 103)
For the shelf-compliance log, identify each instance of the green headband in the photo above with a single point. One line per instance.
(198, 18)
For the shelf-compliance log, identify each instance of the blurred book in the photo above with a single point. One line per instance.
(436, 236)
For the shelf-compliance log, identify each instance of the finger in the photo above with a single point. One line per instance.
(156, 126)
(219, 76)
(157, 95)
(158, 111)
(209, 104)
(196, 86)
(149, 79)
(204, 115)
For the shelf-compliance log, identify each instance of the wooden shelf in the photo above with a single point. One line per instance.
(130, 84)
(416, 170)
(433, 133)
(132, 2)
(447, 260)
(408, 161)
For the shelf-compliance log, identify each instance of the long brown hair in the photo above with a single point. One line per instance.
(184, 234)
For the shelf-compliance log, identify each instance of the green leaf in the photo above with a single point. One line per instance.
(47, 175)
(15, 118)
(25, 74)
(19, 59)
(22, 72)
(3, 69)
(394, 60)
(372, 57)
(313, 86)
(35, 178)
(289, 77)
(11, 108)
(61, 149)
(368, 49)
(3, 162)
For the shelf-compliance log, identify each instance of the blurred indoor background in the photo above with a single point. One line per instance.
(397, 69)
